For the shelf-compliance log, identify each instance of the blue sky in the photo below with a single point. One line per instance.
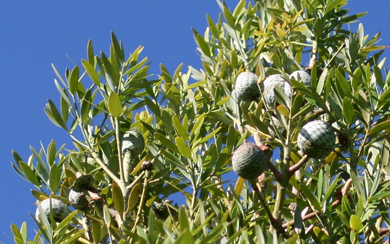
(35, 34)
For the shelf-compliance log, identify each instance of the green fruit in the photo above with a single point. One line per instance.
(59, 209)
(246, 87)
(133, 141)
(249, 161)
(78, 200)
(268, 86)
(316, 139)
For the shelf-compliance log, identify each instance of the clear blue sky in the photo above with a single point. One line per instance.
(35, 34)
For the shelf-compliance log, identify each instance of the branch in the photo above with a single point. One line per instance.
(335, 203)
(274, 222)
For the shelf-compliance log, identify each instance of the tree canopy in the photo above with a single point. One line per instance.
(151, 160)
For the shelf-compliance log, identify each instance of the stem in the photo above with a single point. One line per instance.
(104, 167)
(122, 184)
(296, 166)
(142, 202)
(274, 222)
(126, 166)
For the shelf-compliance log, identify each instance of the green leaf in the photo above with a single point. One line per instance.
(297, 104)
(90, 54)
(198, 124)
(179, 128)
(106, 215)
(384, 97)
(380, 127)
(183, 219)
(310, 196)
(64, 223)
(92, 73)
(348, 111)
(134, 197)
(183, 148)
(54, 115)
(74, 80)
(51, 152)
(117, 47)
(282, 98)
(202, 44)
(55, 177)
(111, 75)
(29, 173)
(23, 231)
(117, 198)
(355, 223)
(211, 134)
(114, 105)
(228, 16)
(166, 142)
(17, 236)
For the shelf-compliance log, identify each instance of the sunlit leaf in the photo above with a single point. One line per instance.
(114, 104)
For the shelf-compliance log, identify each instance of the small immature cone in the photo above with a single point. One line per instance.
(268, 86)
(59, 209)
(246, 87)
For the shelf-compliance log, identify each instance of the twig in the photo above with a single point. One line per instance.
(105, 168)
(335, 203)
(142, 202)
(296, 166)
(274, 222)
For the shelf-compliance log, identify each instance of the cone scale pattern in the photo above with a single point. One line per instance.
(301, 75)
(249, 161)
(268, 88)
(316, 139)
(59, 209)
(246, 87)
(78, 200)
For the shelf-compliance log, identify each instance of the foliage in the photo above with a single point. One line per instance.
(191, 123)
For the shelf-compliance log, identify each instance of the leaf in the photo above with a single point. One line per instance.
(86, 106)
(51, 152)
(55, 178)
(348, 111)
(379, 128)
(202, 44)
(29, 173)
(96, 230)
(183, 148)
(74, 80)
(179, 127)
(281, 97)
(384, 97)
(114, 105)
(91, 72)
(355, 223)
(183, 219)
(166, 142)
(117, 47)
(134, 197)
(64, 223)
(310, 196)
(54, 115)
(17, 236)
(117, 198)
(239, 185)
